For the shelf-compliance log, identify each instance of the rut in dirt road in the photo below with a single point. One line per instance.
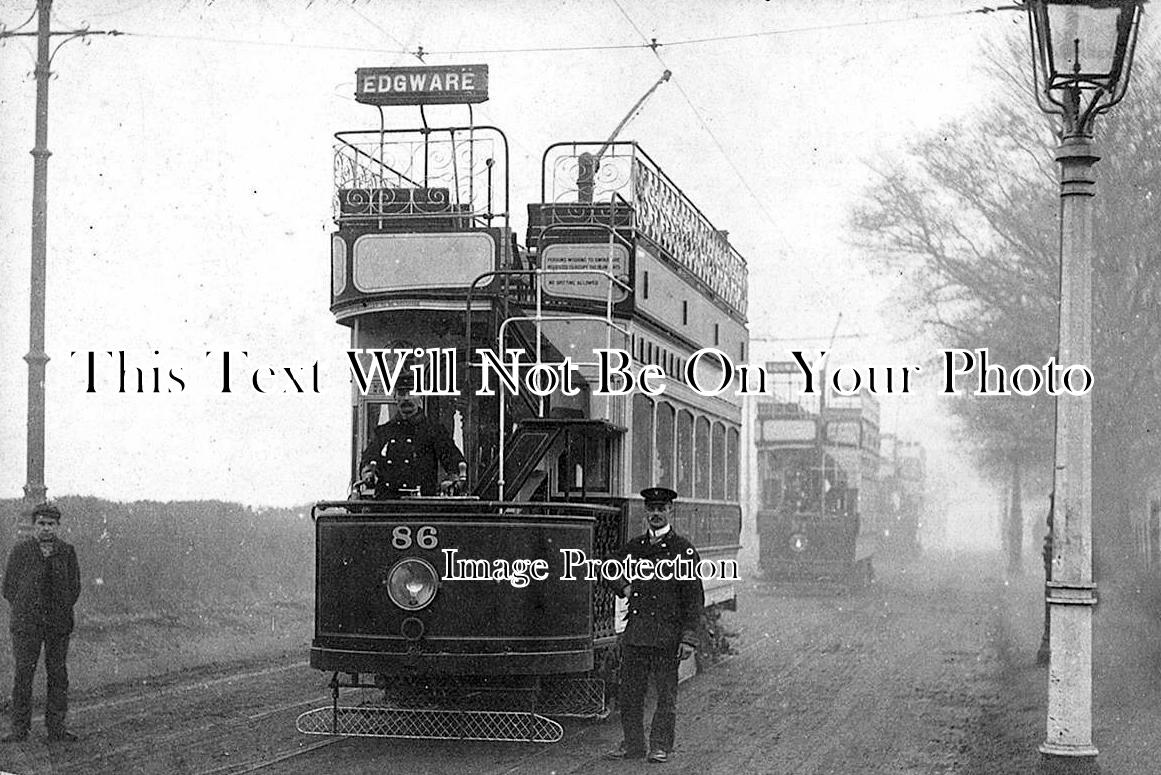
(897, 678)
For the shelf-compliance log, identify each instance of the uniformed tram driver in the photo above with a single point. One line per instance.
(662, 629)
(406, 453)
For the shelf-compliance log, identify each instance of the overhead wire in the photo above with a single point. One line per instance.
(351, 7)
(653, 45)
(705, 126)
(419, 54)
(740, 36)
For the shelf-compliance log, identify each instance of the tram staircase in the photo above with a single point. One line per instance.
(541, 430)
(538, 433)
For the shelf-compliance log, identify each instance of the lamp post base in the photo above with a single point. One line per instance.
(1070, 751)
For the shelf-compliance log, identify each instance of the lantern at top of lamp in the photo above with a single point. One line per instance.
(1082, 52)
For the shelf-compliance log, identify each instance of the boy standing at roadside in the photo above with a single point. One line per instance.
(41, 583)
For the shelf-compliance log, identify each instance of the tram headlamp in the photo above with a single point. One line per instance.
(412, 583)
(798, 542)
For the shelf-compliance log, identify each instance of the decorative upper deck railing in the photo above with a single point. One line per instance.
(453, 177)
(577, 185)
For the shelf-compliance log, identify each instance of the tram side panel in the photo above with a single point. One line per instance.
(391, 595)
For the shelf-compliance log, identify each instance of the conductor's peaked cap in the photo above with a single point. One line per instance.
(658, 495)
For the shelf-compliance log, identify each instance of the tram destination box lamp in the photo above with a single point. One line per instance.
(1082, 51)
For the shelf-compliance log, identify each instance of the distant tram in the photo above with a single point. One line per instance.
(1145, 516)
(903, 479)
(818, 479)
(423, 261)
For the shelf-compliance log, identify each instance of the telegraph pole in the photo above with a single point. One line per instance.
(37, 359)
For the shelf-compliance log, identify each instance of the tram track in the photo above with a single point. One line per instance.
(261, 764)
(508, 768)
(170, 691)
(222, 729)
(146, 730)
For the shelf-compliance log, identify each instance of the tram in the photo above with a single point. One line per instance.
(903, 478)
(819, 491)
(1146, 520)
(425, 265)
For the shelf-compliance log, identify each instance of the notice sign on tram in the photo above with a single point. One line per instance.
(429, 85)
(582, 271)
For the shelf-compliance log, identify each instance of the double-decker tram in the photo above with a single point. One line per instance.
(1146, 520)
(817, 468)
(903, 482)
(479, 615)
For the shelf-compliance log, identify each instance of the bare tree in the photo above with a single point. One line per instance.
(968, 220)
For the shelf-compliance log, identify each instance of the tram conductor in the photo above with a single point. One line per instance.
(662, 629)
(406, 452)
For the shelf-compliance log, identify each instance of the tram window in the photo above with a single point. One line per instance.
(355, 441)
(732, 443)
(663, 459)
(642, 442)
(701, 456)
(375, 413)
(599, 463)
(584, 465)
(378, 412)
(843, 433)
(718, 462)
(771, 478)
(684, 453)
(803, 483)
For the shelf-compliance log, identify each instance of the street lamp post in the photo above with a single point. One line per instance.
(1082, 53)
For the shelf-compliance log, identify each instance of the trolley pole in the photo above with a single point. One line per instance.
(37, 359)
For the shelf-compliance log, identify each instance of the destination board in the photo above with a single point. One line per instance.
(430, 85)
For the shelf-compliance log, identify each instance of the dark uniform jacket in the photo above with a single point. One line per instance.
(409, 454)
(42, 590)
(662, 613)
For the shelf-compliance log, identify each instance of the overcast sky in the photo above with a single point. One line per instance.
(190, 192)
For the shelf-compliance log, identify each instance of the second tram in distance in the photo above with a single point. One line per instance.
(832, 490)
(818, 488)
(424, 259)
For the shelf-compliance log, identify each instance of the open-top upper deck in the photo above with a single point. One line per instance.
(617, 185)
(429, 179)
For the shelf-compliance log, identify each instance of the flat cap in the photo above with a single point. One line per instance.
(46, 510)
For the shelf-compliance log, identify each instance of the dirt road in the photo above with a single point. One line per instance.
(928, 671)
